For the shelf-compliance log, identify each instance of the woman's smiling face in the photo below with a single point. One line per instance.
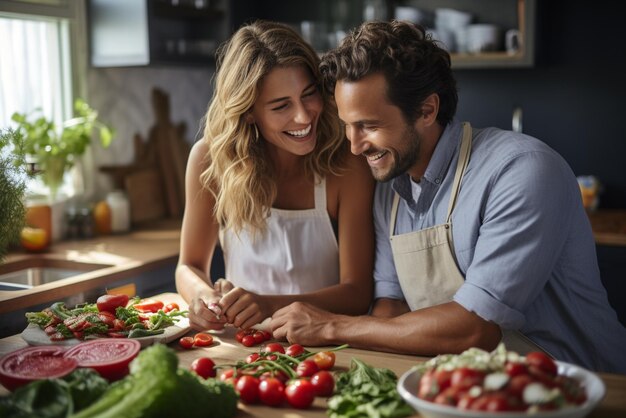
(288, 108)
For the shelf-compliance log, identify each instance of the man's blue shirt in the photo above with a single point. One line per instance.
(521, 239)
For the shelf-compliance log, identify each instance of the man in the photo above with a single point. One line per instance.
(481, 234)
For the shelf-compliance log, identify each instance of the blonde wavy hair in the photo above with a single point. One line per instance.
(239, 171)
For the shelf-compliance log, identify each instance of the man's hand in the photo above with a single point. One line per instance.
(303, 324)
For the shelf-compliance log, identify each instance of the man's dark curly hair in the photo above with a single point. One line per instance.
(413, 64)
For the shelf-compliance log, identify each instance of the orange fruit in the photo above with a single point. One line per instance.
(102, 217)
(34, 239)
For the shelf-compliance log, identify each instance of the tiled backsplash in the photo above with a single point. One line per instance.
(123, 98)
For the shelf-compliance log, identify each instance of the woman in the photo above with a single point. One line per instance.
(274, 180)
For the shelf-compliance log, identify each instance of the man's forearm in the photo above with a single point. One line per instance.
(446, 328)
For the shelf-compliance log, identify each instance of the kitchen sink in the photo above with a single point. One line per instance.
(28, 273)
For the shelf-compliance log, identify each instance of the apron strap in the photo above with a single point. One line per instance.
(394, 212)
(464, 155)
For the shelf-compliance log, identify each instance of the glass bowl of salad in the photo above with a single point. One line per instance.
(476, 383)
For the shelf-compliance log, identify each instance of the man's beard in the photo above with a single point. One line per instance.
(401, 162)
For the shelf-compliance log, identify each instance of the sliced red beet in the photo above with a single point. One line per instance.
(109, 357)
(32, 363)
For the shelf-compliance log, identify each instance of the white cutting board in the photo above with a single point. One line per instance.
(34, 335)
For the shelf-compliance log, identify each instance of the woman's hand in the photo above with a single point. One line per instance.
(204, 310)
(244, 309)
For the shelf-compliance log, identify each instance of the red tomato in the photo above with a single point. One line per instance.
(108, 303)
(202, 339)
(443, 379)
(277, 374)
(31, 363)
(307, 368)
(324, 383)
(325, 360)
(450, 396)
(274, 348)
(248, 341)
(542, 361)
(148, 305)
(294, 350)
(465, 377)
(465, 401)
(252, 358)
(109, 358)
(427, 388)
(259, 337)
(300, 393)
(271, 391)
(226, 374)
(203, 366)
(171, 307)
(515, 369)
(517, 384)
(267, 334)
(497, 402)
(239, 336)
(248, 388)
(186, 342)
(107, 318)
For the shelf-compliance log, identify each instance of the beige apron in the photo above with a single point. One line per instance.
(425, 260)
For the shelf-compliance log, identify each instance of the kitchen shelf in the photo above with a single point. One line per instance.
(156, 32)
(507, 14)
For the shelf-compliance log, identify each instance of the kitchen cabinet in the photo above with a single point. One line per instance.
(156, 32)
(323, 23)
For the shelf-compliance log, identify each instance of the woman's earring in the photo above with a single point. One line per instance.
(256, 132)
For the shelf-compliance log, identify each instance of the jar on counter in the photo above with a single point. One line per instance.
(120, 211)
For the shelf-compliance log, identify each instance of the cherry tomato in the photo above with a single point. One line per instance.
(517, 384)
(427, 388)
(294, 350)
(443, 379)
(203, 366)
(259, 337)
(226, 374)
(271, 391)
(268, 335)
(542, 361)
(274, 348)
(324, 383)
(252, 358)
(307, 368)
(449, 396)
(186, 342)
(300, 393)
(248, 341)
(202, 339)
(465, 401)
(108, 303)
(248, 388)
(170, 307)
(466, 377)
(515, 369)
(325, 360)
(148, 305)
(239, 336)
(497, 402)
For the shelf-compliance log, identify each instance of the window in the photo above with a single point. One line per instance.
(36, 65)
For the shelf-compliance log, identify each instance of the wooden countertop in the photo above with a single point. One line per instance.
(117, 257)
(609, 226)
(226, 350)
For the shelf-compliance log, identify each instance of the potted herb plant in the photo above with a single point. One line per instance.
(13, 177)
(56, 150)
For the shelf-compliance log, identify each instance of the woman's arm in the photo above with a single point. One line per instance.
(198, 239)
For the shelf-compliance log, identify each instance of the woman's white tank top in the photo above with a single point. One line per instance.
(297, 253)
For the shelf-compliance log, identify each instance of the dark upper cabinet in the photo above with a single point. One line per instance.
(156, 32)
